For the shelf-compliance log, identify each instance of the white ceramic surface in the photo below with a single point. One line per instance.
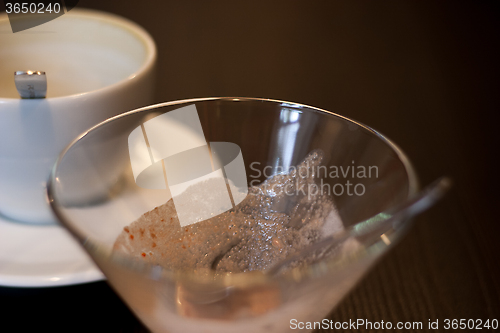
(98, 65)
(42, 256)
(47, 255)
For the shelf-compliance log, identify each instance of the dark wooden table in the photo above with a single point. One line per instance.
(424, 74)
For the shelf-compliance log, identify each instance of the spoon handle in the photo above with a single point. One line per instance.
(379, 224)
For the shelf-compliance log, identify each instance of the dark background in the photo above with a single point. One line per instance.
(423, 73)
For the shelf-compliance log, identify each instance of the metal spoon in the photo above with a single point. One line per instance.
(377, 226)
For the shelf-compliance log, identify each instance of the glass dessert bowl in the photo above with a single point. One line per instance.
(204, 214)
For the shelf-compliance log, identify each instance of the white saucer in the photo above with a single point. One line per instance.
(42, 256)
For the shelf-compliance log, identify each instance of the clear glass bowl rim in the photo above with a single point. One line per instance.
(242, 279)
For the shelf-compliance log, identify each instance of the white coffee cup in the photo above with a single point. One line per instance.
(97, 65)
